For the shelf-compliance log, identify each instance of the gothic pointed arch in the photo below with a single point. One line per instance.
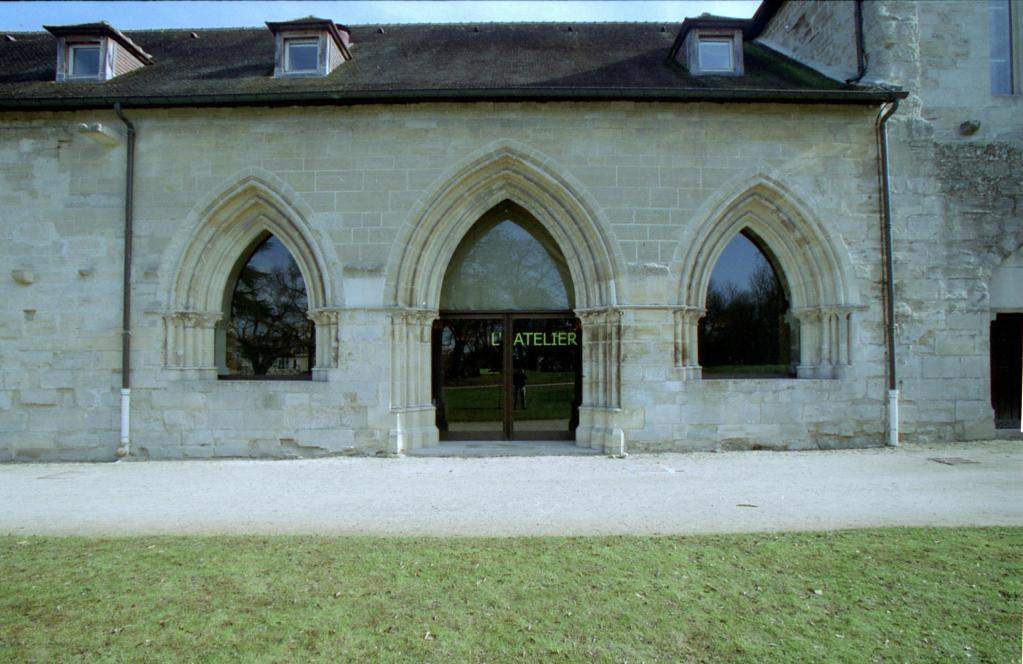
(207, 265)
(515, 174)
(813, 266)
(508, 173)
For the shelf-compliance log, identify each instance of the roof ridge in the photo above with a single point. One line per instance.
(474, 23)
(387, 25)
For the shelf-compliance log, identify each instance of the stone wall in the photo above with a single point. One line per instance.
(59, 342)
(957, 207)
(819, 34)
(648, 176)
(958, 211)
(639, 190)
(652, 181)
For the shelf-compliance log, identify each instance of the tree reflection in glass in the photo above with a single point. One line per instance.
(746, 332)
(268, 332)
(507, 262)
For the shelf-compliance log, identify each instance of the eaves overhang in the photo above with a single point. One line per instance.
(547, 94)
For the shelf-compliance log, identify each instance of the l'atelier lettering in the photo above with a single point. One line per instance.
(538, 339)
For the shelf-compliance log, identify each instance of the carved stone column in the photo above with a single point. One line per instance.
(825, 341)
(687, 325)
(328, 344)
(599, 414)
(411, 399)
(840, 327)
(809, 341)
(189, 341)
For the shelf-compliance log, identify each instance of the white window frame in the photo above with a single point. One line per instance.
(71, 48)
(714, 39)
(300, 41)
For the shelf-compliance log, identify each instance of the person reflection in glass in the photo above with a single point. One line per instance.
(519, 383)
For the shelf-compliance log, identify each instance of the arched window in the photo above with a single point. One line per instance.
(746, 331)
(507, 261)
(809, 263)
(266, 332)
(206, 270)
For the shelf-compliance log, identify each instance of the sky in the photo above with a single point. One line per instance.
(31, 16)
(737, 263)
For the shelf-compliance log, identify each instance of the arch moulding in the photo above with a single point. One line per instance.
(225, 227)
(419, 260)
(812, 263)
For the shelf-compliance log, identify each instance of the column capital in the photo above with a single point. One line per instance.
(690, 314)
(189, 318)
(599, 315)
(413, 315)
(323, 315)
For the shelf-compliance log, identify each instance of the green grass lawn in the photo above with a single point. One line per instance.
(917, 595)
(483, 403)
(497, 378)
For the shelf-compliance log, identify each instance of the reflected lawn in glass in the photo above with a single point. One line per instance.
(472, 356)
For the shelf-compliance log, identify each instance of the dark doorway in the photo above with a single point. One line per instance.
(1007, 369)
(507, 376)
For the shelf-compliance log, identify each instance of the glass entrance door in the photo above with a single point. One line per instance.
(524, 385)
(469, 378)
(545, 377)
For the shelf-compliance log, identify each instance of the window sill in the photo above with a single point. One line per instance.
(269, 379)
(741, 376)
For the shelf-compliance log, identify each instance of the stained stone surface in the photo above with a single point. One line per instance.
(368, 198)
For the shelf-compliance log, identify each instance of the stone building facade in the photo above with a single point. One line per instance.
(640, 192)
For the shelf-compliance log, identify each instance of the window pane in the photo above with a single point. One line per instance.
(507, 261)
(302, 56)
(268, 332)
(85, 60)
(715, 55)
(1001, 47)
(745, 333)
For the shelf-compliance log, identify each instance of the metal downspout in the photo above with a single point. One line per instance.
(861, 57)
(129, 195)
(888, 271)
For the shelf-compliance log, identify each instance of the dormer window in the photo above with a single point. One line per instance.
(710, 46)
(84, 60)
(716, 54)
(95, 52)
(309, 46)
(301, 56)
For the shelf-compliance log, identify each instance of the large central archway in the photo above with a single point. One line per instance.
(505, 355)
(420, 260)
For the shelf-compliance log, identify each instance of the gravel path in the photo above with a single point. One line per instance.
(667, 493)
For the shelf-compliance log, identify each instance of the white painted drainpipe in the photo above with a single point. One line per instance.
(125, 447)
(889, 269)
(124, 450)
(893, 418)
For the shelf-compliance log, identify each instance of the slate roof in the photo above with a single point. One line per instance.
(401, 63)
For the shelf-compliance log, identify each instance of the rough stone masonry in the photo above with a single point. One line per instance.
(638, 195)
